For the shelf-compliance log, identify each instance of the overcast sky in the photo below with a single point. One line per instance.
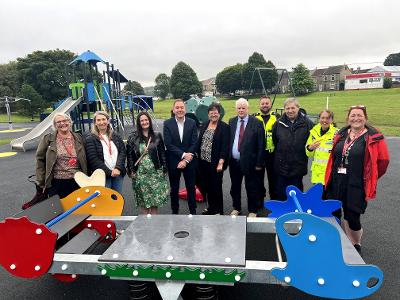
(145, 38)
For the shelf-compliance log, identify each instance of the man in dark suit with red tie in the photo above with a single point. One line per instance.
(247, 156)
(180, 138)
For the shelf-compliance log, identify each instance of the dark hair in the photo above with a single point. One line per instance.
(213, 106)
(139, 127)
(330, 113)
(362, 107)
(265, 97)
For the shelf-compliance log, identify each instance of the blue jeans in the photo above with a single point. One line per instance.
(115, 183)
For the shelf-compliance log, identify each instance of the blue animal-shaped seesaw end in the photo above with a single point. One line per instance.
(310, 202)
(315, 261)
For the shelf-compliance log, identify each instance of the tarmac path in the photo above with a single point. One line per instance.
(381, 242)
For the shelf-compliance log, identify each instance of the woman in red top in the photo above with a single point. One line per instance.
(358, 159)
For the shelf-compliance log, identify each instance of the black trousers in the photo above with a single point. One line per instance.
(211, 183)
(189, 174)
(352, 217)
(251, 182)
(282, 182)
(62, 187)
(269, 167)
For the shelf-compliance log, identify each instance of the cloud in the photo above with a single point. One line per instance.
(146, 38)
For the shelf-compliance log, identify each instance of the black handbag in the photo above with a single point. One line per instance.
(41, 194)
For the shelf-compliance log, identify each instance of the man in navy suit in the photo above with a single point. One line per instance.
(247, 157)
(180, 137)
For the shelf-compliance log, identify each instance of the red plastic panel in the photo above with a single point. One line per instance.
(26, 248)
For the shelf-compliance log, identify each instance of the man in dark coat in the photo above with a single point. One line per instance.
(180, 138)
(290, 135)
(247, 157)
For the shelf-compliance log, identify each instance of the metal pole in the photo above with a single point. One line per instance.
(10, 126)
(72, 209)
(292, 194)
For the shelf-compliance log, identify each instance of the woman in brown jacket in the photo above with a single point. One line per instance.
(59, 156)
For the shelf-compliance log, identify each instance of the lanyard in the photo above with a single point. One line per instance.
(348, 143)
(107, 144)
(69, 148)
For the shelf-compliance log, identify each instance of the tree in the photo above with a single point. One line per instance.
(161, 88)
(9, 79)
(387, 83)
(392, 60)
(134, 87)
(269, 77)
(302, 82)
(47, 72)
(184, 81)
(229, 80)
(36, 105)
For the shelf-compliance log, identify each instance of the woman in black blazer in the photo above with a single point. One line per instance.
(213, 154)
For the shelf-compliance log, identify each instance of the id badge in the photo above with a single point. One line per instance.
(342, 170)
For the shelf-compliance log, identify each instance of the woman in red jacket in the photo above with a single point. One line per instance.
(358, 159)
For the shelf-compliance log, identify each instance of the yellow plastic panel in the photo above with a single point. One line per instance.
(108, 203)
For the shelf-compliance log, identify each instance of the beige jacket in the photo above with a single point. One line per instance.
(46, 156)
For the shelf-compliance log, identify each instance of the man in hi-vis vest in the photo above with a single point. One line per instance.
(268, 121)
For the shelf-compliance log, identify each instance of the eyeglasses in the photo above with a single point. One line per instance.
(62, 121)
(359, 106)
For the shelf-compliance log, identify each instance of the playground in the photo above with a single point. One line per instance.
(260, 257)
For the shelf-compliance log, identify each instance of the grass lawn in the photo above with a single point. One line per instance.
(5, 141)
(383, 106)
(16, 118)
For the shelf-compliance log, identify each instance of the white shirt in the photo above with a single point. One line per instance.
(110, 160)
(180, 127)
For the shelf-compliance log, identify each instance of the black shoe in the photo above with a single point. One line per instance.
(358, 248)
(207, 211)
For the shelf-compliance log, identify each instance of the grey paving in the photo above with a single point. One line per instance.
(380, 244)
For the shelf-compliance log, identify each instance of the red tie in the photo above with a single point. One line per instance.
(241, 134)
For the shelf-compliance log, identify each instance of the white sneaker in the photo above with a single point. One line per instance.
(235, 212)
(252, 215)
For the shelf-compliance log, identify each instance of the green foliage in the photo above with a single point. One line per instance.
(387, 83)
(184, 81)
(302, 82)
(392, 60)
(161, 88)
(134, 87)
(269, 77)
(8, 79)
(35, 106)
(47, 72)
(229, 80)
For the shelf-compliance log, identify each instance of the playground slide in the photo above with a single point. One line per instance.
(43, 127)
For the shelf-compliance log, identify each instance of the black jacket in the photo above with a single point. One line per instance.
(253, 144)
(290, 140)
(156, 151)
(176, 148)
(220, 143)
(95, 156)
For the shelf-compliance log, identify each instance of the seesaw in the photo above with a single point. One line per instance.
(62, 237)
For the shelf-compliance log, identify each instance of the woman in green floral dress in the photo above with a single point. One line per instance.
(147, 166)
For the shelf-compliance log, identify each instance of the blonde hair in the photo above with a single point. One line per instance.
(95, 130)
(291, 100)
(66, 116)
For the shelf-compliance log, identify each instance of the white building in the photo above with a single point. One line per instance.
(373, 79)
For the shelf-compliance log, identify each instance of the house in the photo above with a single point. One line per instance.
(393, 70)
(209, 87)
(283, 86)
(331, 78)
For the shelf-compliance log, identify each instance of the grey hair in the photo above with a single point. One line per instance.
(241, 101)
(67, 116)
(291, 100)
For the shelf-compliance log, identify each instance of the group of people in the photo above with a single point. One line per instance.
(348, 162)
